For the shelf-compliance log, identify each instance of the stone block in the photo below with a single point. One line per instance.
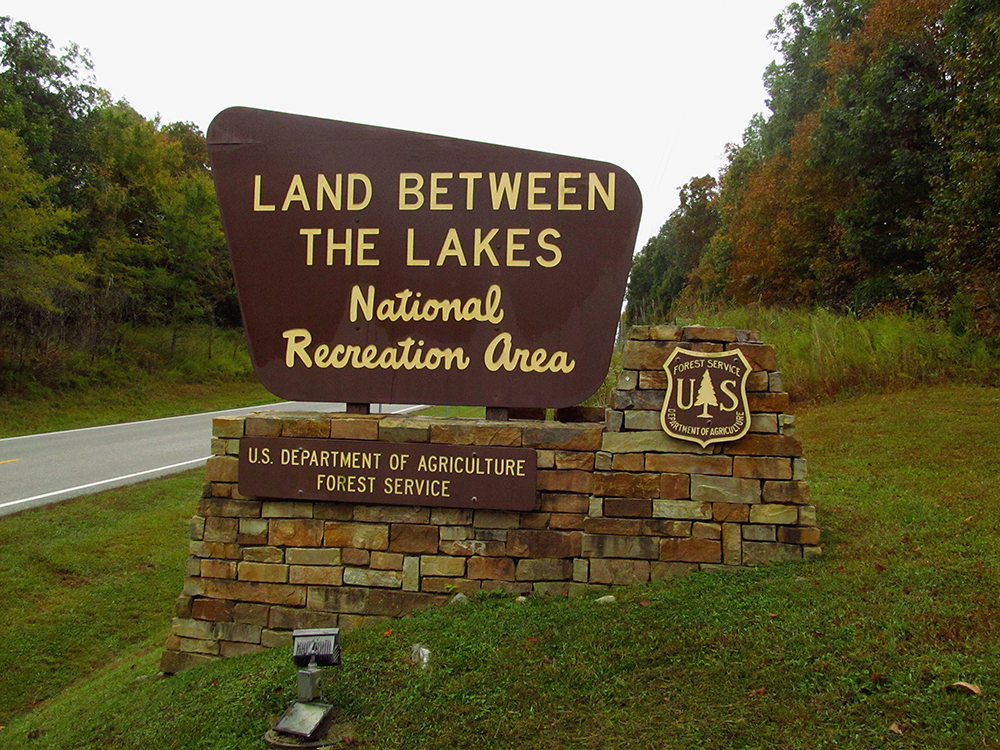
(545, 459)
(355, 427)
(714, 489)
(476, 433)
(222, 469)
(239, 632)
(276, 639)
(386, 561)
(543, 570)
(221, 530)
(596, 507)
(800, 469)
(682, 510)
(665, 527)
(753, 532)
(227, 427)
(730, 512)
(497, 519)
(649, 442)
(198, 646)
(620, 400)
(451, 516)
(732, 543)
(355, 557)
(173, 662)
(252, 531)
(631, 547)
(762, 467)
(346, 599)
(690, 550)
(386, 603)
(287, 618)
(263, 555)
(764, 445)
(216, 550)
(491, 568)
(796, 493)
(581, 460)
(543, 544)
(316, 575)
(581, 570)
(768, 402)
(510, 587)
(761, 356)
(646, 355)
(683, 463)
(552, 502)
(305, 427)
(563, 436)
(617, 526)
(758, 381)
(762, 422)
(762, 553)
(675, 486)
(799, 535)
(286, 509)
(218, 569)
(253, 614)
(638, 333)
(252, 571)
(297, 532)
(214, 610)
(551, 588)
(628, 380)
(565, 481)
(535, 520)
(411, 539)
(650, 399)
(454, 533)
(642, 420)
(782, 515)
(333, 511)
(628, 507)
(196, 528)
(404, 430)
(703, 530)
(392, 514)
(807, 515)
(626, 484)
(628, 462)
(390, 579)
(358, 535)
(619, 572)
(442, 565)
(721, 334)
(567, 521)
(260, 426)
(312, 556)
(411, 573)
(653, 380)
(254, 591)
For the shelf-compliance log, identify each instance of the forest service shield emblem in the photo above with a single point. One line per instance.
(706, 399)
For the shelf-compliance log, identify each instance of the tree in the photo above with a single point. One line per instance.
(660, 271)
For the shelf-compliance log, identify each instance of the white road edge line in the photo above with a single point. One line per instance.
(407, 410)
(104, 481)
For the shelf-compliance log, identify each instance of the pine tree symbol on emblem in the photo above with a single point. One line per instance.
(706, 396)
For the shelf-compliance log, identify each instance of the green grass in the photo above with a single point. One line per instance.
(834, 653)
(825, 354)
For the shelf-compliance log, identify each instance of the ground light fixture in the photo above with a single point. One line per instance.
(307, 721)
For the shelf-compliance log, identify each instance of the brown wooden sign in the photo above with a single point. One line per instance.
(706, 399)
(378, 265)
(375, 473)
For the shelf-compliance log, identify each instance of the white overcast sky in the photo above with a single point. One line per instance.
(657, 87)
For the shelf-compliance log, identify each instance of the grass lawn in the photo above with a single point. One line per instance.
(854, 650)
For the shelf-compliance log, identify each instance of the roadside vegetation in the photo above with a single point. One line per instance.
(861, 648)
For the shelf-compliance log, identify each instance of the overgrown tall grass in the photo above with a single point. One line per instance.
(824, 354)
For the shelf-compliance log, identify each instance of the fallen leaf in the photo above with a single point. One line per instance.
(759, 691)
(387, 633)
(772, 614)
(547, 659)
(532, 642)
(974, 689)
(968, 519)
(896, 728)
(645, 603)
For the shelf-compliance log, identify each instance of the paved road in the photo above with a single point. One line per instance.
(40, 469)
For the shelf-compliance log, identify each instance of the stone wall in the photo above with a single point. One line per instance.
(619, 503)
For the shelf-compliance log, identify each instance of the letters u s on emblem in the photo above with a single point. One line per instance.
(706, 399)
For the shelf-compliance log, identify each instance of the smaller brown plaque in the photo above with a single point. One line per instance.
(350, 471)
(706, 400)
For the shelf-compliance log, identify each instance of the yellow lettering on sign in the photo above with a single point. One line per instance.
(594, 187)
(438, 190)
(257, 205)
(470, 183)
(296, 194)
(505, 188)
(501, 354)
(534, 189)
(410, 185)
(563, 191)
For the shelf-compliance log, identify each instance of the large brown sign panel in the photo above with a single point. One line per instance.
(378, 265)
(376, 473)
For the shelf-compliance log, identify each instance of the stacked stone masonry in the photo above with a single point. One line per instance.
(619, 503)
